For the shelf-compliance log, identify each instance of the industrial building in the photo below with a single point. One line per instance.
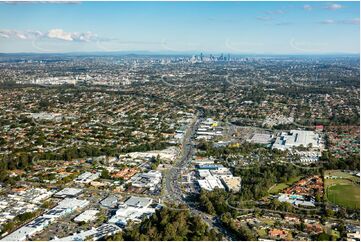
(64, 207)
(110, 202)
(68, 192)
(217, 176)
(87, 177)
(25, 232)
(21, 201)
(221, 172)
(86, 216)
(94, 233)
(209, 167)
(134, 209)
(210, 183)
(146, 180)
(204, 173)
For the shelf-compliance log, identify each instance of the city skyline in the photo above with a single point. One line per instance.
(180, 27)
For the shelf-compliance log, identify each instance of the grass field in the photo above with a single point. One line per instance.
(262, 233)
(277, 188)
(343, 191)
(345, 195)
(341, 174)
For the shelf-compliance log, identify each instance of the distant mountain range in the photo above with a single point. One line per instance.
(166, 53)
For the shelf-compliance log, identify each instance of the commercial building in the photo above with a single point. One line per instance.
(72, 203)
(110, 202)
(64, 207)
(147, 180)
(134, 209)
(94, 233)
(221, 172)
(21, 201)
(217, 176)
(86, 216)
(204, 173)
(68, 192)
(297, 138)
(204, 161)
(209, 167)
(87, 177)
(25, 232)
(210, 183)
(208, 129)
(139, 202)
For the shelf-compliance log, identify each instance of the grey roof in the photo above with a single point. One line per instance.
(138, 201)
(110, 201)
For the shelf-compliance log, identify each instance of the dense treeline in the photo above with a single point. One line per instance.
(18, 220)
(207, 149)
(241, 232)
(214, 202)
(255, 185)
(352, 162)
(217, 203)
(257, 181)
(24, 160)
(167, 224)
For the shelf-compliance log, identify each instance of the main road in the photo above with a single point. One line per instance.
(173, 191)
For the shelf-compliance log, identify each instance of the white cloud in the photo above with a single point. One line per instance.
(71, 36)
(307, 7)
(24, 35)
(334, 6)
(57, 34)
(4, 36)
(87, 36)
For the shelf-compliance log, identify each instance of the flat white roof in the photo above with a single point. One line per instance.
(72, 203)
(210, 183)
(87, 215)
(130, 213)
(20, 234)
(95, 233)
(68, 191)
(296, 138)
(204, 173)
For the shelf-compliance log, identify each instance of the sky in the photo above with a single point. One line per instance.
(209, 27)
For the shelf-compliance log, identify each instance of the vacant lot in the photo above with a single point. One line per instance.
(277, 188)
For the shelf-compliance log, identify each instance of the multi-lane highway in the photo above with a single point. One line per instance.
(173, 191)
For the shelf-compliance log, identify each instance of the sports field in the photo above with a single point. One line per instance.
(344, 191)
